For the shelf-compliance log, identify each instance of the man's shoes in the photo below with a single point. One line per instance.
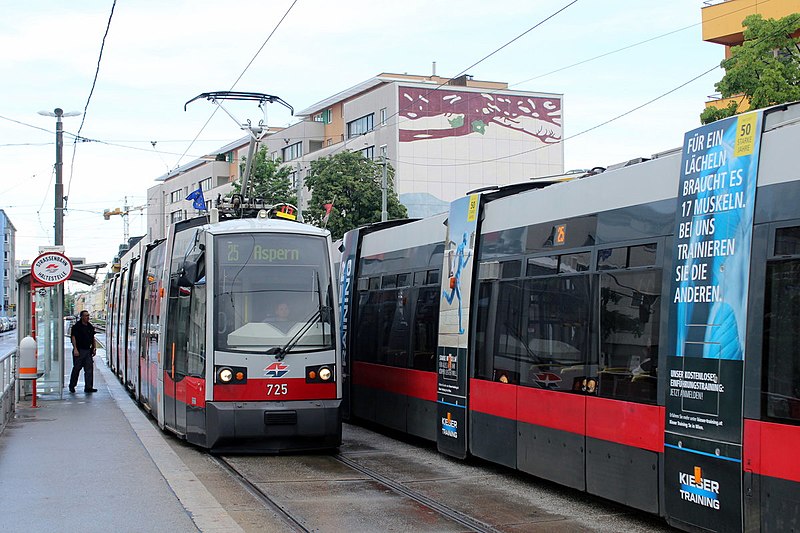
(90, 390)
(72, 389)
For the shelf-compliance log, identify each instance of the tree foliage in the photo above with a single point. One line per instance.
(269, 179)
(765, 68)
(353, 184)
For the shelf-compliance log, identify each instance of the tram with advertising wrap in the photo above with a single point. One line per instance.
(631, 333)
(224, 331)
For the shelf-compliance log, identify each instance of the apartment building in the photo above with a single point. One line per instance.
(443, 138)
(8, 283)
(214, 174)
(722, 24)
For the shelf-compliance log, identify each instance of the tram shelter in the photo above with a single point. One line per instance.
(49, 326)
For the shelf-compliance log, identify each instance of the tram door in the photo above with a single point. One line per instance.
(183, 352)
(530, 372)
(132, 332)
(175, 356)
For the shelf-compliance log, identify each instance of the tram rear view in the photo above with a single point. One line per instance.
(251, 362)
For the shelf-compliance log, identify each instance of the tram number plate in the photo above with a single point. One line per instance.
(277, 389)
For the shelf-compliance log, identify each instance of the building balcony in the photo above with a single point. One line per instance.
(742, 102)
(722, 20)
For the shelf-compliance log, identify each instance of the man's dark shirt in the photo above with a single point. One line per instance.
(84, 335)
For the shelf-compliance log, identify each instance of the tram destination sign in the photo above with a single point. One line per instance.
(708, 321)
(51, 268)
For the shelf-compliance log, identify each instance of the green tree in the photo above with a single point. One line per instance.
(765, 68)
(353, 184)
(269, 179)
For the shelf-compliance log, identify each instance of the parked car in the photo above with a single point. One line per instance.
(5, 324)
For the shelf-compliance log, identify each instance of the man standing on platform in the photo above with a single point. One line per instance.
(84, 349)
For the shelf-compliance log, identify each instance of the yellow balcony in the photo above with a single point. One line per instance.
(722, 22)
(742, 103)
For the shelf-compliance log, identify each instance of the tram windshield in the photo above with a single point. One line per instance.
(272, 290)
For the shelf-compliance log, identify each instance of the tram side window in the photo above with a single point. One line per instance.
(425, 333)
(542, 266)
(178, 328)
(484, 364)
(630, 303)
(556, 334)
(196, 348)
(393, 328)
(366, 340)
(787, 241)
(781, 338)
(509, 345)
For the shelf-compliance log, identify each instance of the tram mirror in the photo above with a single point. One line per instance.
(191, 272)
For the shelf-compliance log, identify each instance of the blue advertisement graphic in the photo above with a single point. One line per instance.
(706, 359)
(713, 238)
(451, 353)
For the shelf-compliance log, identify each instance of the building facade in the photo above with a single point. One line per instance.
(8, 283)
(722, 24)
(442, 137)
(214, 175)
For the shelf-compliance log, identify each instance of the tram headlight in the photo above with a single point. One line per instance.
(230, 375)
(263, 213)
(320, 373)
(225, 375)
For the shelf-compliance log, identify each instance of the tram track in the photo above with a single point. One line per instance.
(290, 520)
(448, 512)
(260, 495)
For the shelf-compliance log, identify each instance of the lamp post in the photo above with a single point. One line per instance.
(57, 349)
(59, 194)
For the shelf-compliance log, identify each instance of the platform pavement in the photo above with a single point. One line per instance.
(95, 462)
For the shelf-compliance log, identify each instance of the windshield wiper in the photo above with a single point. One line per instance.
(280, 351)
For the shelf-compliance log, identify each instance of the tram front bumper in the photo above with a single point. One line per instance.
(273, 427)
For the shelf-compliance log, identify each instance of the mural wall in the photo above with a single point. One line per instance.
(453, 140)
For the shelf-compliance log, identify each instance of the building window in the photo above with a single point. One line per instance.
(175, 196)
(368, 152)
(293, 152)
(324, 117)
(383, 116)
(205, 184)
(175, 216)
(360, 126)
(293, 179)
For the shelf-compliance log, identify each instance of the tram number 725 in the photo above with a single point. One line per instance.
(277, 389)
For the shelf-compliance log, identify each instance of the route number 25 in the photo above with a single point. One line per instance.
(277, 389)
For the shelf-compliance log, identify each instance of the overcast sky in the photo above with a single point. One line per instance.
(158, 55)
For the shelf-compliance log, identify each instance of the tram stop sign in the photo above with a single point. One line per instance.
(51, 268)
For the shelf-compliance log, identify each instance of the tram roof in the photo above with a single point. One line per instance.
(265, 225)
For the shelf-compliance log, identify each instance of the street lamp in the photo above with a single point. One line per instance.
(59, 203)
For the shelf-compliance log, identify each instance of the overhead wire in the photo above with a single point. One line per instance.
(633, 45)
(464, 71)
(278, 25)
(89, 99)
(600, 56)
